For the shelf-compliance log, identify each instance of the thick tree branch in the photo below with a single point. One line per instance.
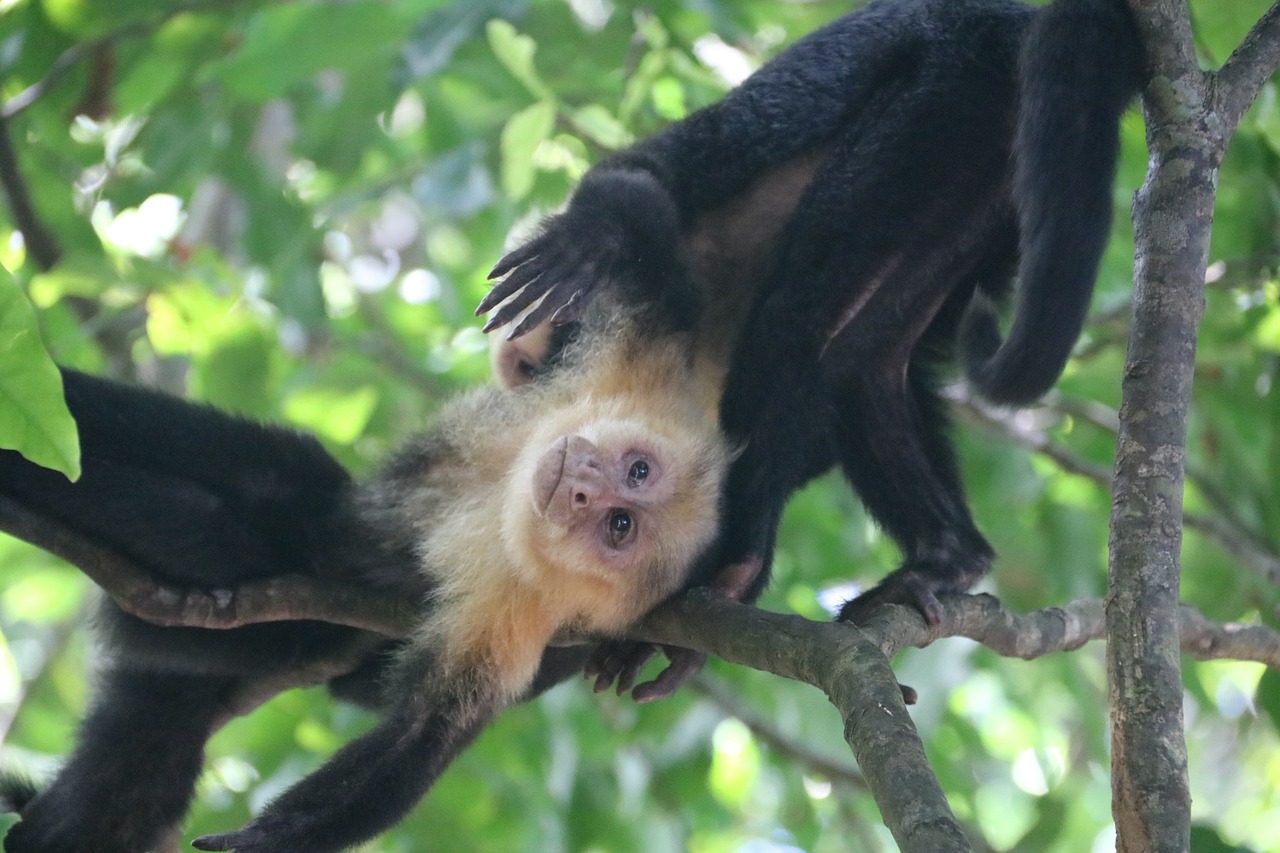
(1172, 213)
(280, 599)
(981, 618)
(1243, 75)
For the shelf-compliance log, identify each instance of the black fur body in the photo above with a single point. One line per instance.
(858, 208)
(197, 498)
(848, 212)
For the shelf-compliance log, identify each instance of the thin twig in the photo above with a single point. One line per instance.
(38, 239)
(77, 53)
(1225, 527)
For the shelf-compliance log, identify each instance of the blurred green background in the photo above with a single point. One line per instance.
(289, 209)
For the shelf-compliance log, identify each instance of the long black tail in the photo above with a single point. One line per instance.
(1081, 66)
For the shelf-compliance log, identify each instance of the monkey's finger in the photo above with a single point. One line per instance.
(522, 278)
(608, 660)
(541, 312)
(222, 841)
(512, 308)
(575, 289)
(685, 663)
(574, 278)
(571, 310)
(598, 658)
(632, 665)
(516, 257)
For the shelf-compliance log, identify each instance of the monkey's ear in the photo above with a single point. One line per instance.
(518, 361)
(183, 492)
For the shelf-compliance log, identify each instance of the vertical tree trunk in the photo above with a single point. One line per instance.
(1190, 116)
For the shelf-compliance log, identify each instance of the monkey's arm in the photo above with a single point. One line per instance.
(372, 782)
(696, 167)
(191, 497)
(187, 493)
(139, 750)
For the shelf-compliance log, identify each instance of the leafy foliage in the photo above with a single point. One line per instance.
(289, 210)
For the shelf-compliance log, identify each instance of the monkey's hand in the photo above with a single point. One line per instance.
(560, 268)
(622, 661)
(620, 226)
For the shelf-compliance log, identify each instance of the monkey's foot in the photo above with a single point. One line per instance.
(622, 661)
(917, 584)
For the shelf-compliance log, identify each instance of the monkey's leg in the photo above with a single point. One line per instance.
(896, 453)
(373, 781)
(891, 426)
(133, 771)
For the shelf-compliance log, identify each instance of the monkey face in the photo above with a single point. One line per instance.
(603, 495)
(621, 507)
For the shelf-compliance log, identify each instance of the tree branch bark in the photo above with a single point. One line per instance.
(279, 599)
(1188, 123)
(39, 241)
(849, 665)
(1235, 86)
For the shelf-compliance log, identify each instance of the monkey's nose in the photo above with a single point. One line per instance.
(585, 490)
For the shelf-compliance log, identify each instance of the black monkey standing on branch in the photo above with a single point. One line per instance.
(866, 200)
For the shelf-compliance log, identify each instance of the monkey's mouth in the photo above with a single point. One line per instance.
(548, 474)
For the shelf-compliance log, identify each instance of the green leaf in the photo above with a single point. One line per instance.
(1268, 696)
(602, 126)
(521, 136)
(515, 52)
(338, 415)
(1205, 840)
(668, 98)
(93, 18)
(34, 419)
(289, 44)
(438, 35)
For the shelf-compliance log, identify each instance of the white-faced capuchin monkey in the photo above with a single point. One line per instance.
(577, 504)
(859, 207)
(853, 209)
(572, 505)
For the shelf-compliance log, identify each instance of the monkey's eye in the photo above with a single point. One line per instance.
(638, 474)
(620, 526)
